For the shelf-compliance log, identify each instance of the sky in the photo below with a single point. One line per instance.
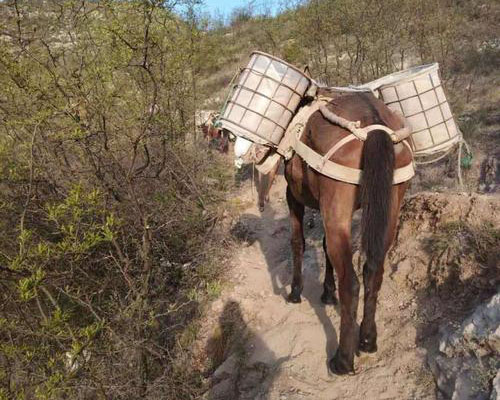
(226, 6)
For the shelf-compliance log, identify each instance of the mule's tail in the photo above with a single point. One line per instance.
(376, 187)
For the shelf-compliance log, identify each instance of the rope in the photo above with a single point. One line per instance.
(459, 167)
(440, 157)
(459, 162)
(362, 133)
(459, 158)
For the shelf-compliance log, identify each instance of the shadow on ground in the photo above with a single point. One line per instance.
(238, 373)
(272, 233)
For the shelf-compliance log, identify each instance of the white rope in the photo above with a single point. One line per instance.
(440, 157)
(459, 167)
(362, 133)
(462, 143)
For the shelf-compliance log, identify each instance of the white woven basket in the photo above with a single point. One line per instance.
(417, 93)
(264, 100)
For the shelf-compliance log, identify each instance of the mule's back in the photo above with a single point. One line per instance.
(321, 135)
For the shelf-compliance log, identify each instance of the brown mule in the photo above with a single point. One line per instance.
(217, 138)
(336, 200)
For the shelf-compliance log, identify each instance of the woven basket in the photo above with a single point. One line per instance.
(264, 99)
(417, 93)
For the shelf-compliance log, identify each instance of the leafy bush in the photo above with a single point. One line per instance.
(108, 201)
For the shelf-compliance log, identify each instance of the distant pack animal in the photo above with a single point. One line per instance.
(246, 152)
(379, 199)
(217, 138)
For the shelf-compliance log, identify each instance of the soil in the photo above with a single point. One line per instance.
(258, 346)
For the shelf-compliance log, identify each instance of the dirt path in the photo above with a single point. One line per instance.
(266, 348)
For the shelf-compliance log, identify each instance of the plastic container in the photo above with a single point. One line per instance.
(417, 93)
(264, 99)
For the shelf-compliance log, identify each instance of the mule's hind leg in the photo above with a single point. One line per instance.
(372, 280)
(337, 215)
(297, 241)
(328, 296)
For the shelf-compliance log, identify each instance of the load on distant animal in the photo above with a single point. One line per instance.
(344, 149)
(213, 133)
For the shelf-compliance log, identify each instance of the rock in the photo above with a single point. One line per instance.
(495, 393)
(445, 371)
(445, 348)
(463, 387)
(481, 331)
(494, 340)
(468, 354)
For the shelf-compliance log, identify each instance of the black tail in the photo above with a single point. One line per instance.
(376, 186)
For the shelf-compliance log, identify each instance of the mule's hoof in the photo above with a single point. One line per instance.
(294, 298)
(339, 367)
(261, 207)
(329, 298)
(368, 346)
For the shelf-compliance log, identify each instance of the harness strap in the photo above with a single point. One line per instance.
(337, 146)
(323, 165)
(291, 143)
(296, 128)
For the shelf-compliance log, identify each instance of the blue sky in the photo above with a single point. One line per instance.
(226, 6)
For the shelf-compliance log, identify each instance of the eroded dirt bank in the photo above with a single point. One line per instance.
(260, 347)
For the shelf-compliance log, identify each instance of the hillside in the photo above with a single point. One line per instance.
(352, 42)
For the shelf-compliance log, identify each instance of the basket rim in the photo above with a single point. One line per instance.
(282, 62)
(399, 77)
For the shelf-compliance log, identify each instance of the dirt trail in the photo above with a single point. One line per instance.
(276, 350)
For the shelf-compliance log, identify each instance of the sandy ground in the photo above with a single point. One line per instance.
(265, 348)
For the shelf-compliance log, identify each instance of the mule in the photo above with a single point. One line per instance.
(217, 138)
(247, 152)
(379, 199)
